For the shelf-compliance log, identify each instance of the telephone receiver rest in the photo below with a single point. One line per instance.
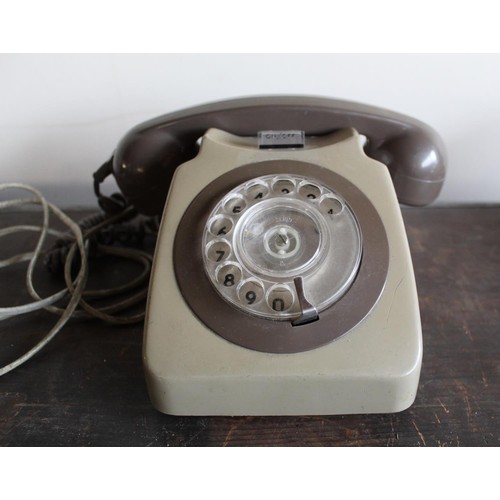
(146, 158)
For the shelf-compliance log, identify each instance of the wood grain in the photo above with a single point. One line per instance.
(87, 387)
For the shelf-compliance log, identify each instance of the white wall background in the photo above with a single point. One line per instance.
(62, 115)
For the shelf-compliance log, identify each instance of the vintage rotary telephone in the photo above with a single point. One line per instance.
(282, 281)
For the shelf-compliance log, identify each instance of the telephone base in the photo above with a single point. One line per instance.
(371, 366)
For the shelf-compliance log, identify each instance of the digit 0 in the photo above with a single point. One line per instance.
(278, 304)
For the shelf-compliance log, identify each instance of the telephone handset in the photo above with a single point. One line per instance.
(281, 234)
(144, 161)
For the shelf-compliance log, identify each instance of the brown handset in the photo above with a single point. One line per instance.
(145, 159)
(282, 281)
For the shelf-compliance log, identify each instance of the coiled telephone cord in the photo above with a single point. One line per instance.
(78, 246)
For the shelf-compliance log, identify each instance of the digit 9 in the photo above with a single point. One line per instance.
(250, 292)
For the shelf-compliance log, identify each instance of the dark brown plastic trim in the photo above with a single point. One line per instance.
(279, 336)
(147, 156)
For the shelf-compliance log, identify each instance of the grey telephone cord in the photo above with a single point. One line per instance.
(74, 288)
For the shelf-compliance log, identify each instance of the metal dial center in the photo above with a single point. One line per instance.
(282, 242)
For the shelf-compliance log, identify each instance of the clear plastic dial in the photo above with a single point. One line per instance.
(268, 231)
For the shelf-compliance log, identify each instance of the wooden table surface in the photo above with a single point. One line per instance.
(87, 387)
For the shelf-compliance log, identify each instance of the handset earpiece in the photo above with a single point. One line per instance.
(146, 158)
(417, 165)
(145, 161)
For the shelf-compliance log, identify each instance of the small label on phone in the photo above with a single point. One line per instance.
(281, 139)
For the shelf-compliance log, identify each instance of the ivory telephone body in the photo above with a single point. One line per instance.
(282, 281)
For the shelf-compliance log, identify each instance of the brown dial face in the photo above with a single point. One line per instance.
(265, 245)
